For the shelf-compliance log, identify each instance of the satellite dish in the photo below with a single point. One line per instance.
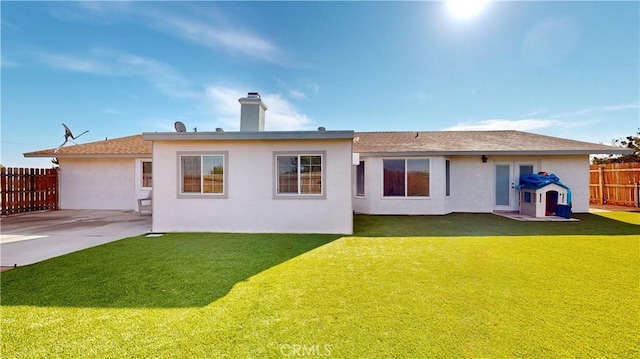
(68, 134)
(180, 127)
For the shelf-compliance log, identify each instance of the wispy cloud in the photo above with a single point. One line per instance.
(596, 110)
(197, 27)
(567, 120)
(4, 62)
(281, 114)
(235, 41)
(73, 63)
(114, 63)
(292, 92)
(110, 111)
(297, 94)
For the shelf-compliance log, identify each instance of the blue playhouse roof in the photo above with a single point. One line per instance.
(537, 181)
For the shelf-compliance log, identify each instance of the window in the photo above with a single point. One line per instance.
(360, 179)
(299, 174)
(406, 177)
(447, 178)
(147, 178)
(202, 174)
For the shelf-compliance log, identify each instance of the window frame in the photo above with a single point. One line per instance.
(140, 174)
(447, 178)
(225, 174)
(364, 179)
(299, 195)
(406, 178)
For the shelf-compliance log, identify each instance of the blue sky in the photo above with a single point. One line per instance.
(567, 69)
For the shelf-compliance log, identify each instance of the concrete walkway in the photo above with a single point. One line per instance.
(33, 237)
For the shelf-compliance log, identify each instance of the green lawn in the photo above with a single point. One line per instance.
(462, 285)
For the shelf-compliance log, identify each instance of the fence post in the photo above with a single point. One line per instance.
(637, 195)
(3, 191)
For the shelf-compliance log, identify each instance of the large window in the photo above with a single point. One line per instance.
(147, 177)
(406, 177)
(299, 174)
(202, 174)
(360, 179)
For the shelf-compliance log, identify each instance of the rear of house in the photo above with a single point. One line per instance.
(109, 174)
(252, 180)
(424, 173)
(312, 181)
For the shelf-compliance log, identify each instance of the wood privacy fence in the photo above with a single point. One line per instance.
(28, 189)
(615, 183)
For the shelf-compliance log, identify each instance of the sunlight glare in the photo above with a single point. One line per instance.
(465, 9)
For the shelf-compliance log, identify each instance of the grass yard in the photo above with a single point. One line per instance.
(462, 285)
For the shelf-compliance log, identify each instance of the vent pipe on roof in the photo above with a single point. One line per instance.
(252, 113)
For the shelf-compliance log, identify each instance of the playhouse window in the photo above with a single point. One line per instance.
(300, 175)
(406, 177)
(202, 174)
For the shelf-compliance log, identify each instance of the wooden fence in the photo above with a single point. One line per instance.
(615, 184)
(28, 189)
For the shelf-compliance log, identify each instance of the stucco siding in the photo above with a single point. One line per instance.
(97, 183)
(472, 184)
(374, 202)
(250, 204)
(573, 171)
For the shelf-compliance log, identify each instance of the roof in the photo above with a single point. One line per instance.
(365, 143)
(130, 146)
(238, 136)
(473, 142)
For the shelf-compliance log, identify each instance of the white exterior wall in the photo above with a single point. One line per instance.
(97, 183)
(472, 184)
(375, 203)
(250, 205)
(573, 171)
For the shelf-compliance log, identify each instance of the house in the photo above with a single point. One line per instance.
(109, 174)
(312, 181)
(252, 180)
(418, 173)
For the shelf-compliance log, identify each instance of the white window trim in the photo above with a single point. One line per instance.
(406, 182)
(323, 157)
(225, 183)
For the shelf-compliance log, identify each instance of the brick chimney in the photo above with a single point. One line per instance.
(252, 113)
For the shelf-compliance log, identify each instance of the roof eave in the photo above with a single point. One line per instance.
(495, 153)
(88, 155)
(239, 136)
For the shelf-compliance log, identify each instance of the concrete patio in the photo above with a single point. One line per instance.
(33, 237)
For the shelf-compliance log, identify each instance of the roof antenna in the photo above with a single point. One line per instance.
(180, 127)
(67, 134)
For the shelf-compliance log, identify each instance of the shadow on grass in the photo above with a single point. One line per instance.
(172, 271)
(482, 224)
